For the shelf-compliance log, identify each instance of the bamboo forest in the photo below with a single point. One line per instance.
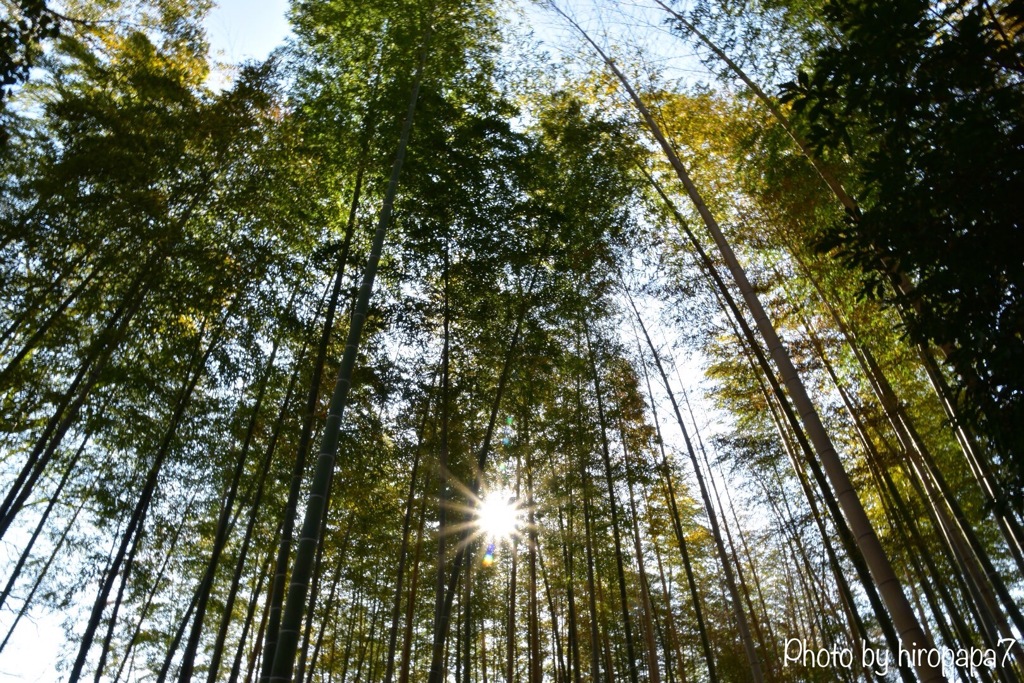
(510, 341)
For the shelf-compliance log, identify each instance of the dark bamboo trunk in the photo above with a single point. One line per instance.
(264, 572)
(653, 671)
(536, 658)
(620, 570)
(168, 555)
(66, 409)
(404, 550)
(575, 668)
(403, 671)
(561, 670)
(41, 524)
(595, 640)
(330, 609)
(441, 615)
(277, 586)
(224, 525)
(28, 600)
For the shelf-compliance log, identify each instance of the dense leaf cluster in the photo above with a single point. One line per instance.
(928, 100)
(21, 33)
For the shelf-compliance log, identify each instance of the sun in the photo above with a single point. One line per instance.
(498, 516)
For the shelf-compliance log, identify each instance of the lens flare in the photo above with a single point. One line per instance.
(489, 556)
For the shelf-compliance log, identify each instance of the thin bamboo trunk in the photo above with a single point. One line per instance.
(743, 545)
(467, 653)
(672, 635)
(365, 649)
(620, 571)
(567, 560)
(606, 646)
(29, 306)
(179, 633)
(330, 608)
(236, 664)
(510, 623)
(26, 552)
(32, 342)
(734, 554)
(536, 672)
(403, 671)
(595, 641)
(28, 600)
(653, 671)
(224, 525)
(254, 655)
(97, 356)
(441, 615)
(483, 649)
(404, 550)
(353, 611)
(561, 671)
(168, 555)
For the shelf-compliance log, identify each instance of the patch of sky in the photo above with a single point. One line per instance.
(241, 31)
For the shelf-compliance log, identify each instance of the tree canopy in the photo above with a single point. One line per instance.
(514, 342)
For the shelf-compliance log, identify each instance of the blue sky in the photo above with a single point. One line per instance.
(246, 29)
